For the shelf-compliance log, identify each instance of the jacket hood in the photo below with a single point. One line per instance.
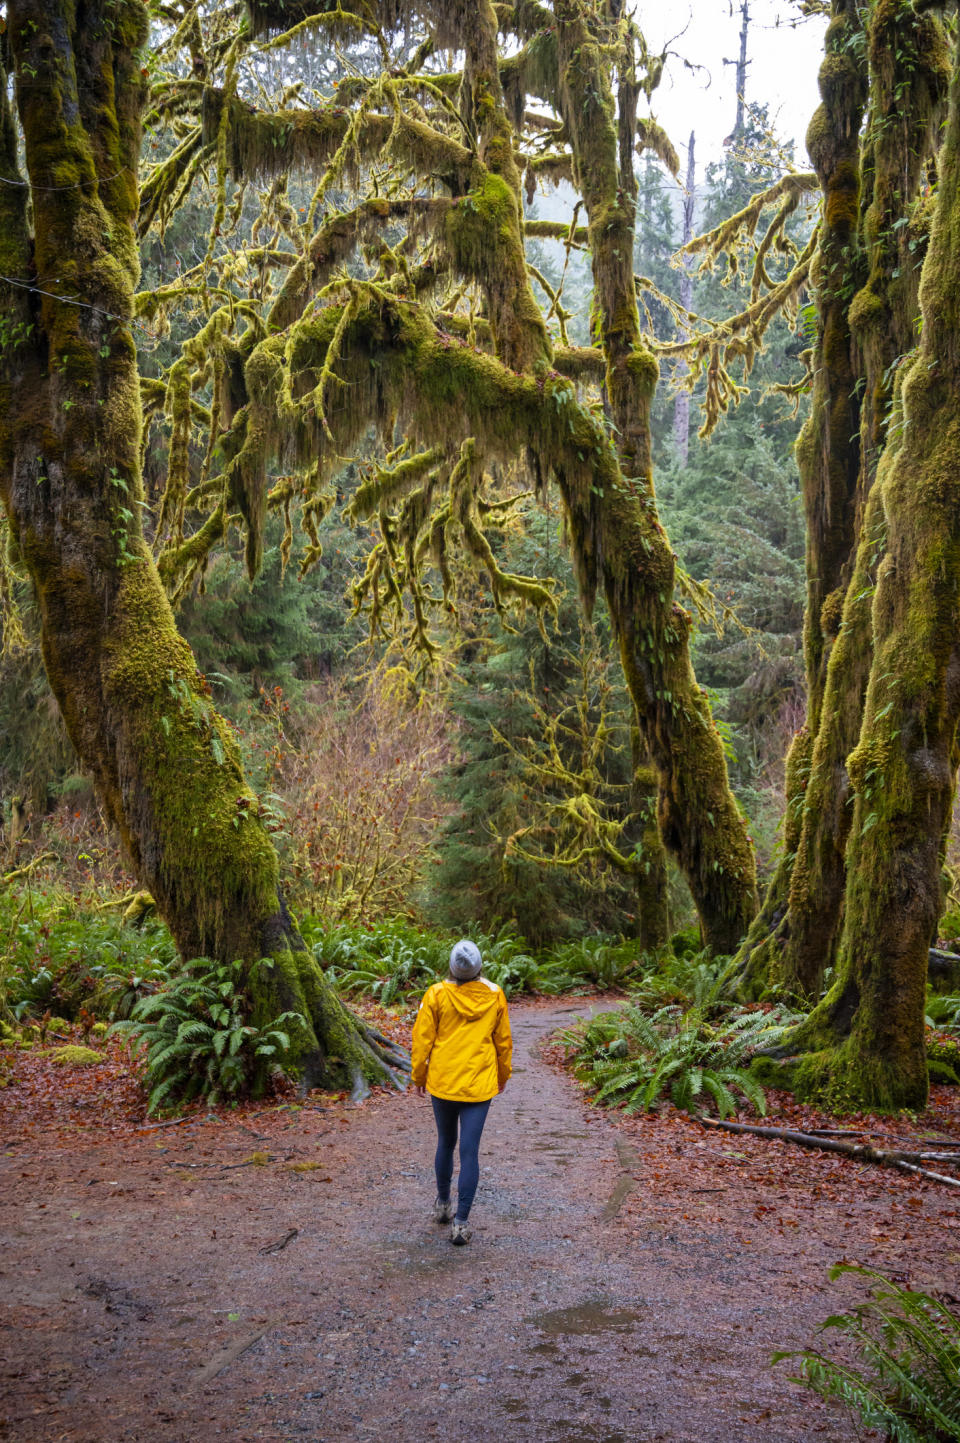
(472, 999)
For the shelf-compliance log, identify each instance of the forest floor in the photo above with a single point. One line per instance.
(274, 1273)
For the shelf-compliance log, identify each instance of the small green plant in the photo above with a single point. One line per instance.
(602, 962)
(943, 1012)
(632, 1059)
(907, 1381)
(198, 1039)
(64, 959)
(687, 980)
(390, 962)
(396, 961)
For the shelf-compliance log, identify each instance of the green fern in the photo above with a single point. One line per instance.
(685, 981)
(943, 1012)
(909, 1381)
(197, 1039)
(632, 1059)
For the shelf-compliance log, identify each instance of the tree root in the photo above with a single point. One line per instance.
(384, 1055)
(907, 1162)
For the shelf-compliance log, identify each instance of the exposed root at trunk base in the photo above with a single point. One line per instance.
(330, 1048)
(395, 1060)
(827, 1060)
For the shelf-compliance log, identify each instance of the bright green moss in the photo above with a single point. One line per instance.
(75, 1056)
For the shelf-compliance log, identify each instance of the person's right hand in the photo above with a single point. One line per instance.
(502, 1086)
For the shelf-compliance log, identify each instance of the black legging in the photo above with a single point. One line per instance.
(471, 1116)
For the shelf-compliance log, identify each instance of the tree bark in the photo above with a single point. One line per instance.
(909, 73)
(827, 453)
(681, 402)
(864, 1043)
(699, 819)
(165, 765)
(866, 275)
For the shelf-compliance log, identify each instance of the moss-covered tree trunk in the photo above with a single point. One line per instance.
(866, 276)
(827, 449)
(909, 74)
(643, 843)
(865, 1041)
(616, 538)
(619, 535)
(165, 765)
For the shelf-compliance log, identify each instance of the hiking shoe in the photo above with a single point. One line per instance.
(460, 1234)
(442, 1211)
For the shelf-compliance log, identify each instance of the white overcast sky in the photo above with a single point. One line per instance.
(784, 59)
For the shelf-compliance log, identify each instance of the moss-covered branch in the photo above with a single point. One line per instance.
(263, 144)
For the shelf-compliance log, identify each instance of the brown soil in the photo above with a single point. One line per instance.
(276, 1275)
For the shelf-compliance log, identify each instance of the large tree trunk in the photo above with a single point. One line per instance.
(699, 819)
(908, 84)
(165, 765)
(864, 1042)
(862, 333)
(617, 540)
(827, 450)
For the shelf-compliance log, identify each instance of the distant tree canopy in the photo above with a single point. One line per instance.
(366, 282)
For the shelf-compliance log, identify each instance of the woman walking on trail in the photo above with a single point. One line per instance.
(461, 1055)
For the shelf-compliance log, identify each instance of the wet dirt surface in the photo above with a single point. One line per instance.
(283, 1279)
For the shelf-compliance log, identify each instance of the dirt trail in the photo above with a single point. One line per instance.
(140, 1300)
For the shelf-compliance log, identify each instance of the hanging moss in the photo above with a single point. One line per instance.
(263, 144)
(302, 388)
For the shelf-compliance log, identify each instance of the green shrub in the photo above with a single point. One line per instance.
(389, 961)
(907, 1379)
(198, 1039)
(690, 979)
(602, 962)
(943, 1012)
(632, 1059)
(396, 961)
(62, 960)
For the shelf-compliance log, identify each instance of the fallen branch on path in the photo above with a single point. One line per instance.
(860, 1152)
(281, 1243)
(228, 1355)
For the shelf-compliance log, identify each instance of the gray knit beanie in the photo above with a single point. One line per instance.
(465, 961)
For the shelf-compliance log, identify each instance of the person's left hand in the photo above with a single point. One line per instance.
(420, 1091)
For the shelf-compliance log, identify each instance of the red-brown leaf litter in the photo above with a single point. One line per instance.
(271, 1271)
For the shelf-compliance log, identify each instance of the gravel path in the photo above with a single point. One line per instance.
(140, 1304)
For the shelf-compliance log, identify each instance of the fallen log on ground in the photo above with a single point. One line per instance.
(859, 1152)
(19, 872)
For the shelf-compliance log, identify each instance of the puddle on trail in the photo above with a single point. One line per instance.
(594, 1316)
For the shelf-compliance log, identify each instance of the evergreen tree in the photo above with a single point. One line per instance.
(499, 698)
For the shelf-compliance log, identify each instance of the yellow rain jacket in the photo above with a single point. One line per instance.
(462, 1047)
